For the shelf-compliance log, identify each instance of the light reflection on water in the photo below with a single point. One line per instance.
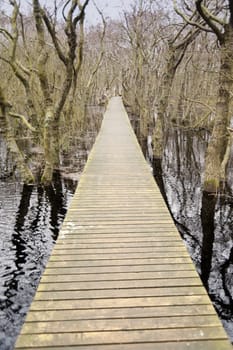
(30, 218)
(204, 221)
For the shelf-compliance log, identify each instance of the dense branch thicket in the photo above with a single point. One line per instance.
(172, 63)
(41, 58)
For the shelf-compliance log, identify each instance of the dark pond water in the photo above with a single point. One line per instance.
(204, 221)
(30, 218)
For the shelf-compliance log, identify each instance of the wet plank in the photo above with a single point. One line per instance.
(120, 276)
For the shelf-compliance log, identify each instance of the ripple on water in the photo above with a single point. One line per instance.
(30, 218)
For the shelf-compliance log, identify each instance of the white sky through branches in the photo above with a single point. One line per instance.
(110, 8)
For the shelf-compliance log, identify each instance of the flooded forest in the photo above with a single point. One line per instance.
(172, 63)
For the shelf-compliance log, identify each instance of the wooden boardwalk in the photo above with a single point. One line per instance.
(120, 277)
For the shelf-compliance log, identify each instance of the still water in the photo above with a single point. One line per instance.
(205, 221)
(30, 218)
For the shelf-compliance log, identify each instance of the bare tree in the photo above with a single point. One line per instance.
(141, 29)
(218, 19)
(45, 100)
(158, 45)
(6, 126)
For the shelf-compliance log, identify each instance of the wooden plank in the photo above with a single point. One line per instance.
(118, 302)
(120, 229)
(120, 276)
(116, 313)
(116, 211)
(119, 250)
(118, 256)
(111, 337)
(114, 238)
(113, 214)
(115, 206)
(141, 235)
(119, 262)
(89, 242)
(60, 271)
(45, 294)
(181, 345)
(110, 276)
(124, 221)
(121, 324)
(125, 284)
(117, 245)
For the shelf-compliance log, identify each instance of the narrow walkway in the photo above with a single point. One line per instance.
(120, 277)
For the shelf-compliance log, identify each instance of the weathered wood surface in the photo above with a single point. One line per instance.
(119, 276)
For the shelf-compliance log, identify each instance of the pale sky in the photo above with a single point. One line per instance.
(110, 8)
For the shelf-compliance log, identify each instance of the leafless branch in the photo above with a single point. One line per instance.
(205, 14)
(23, 119)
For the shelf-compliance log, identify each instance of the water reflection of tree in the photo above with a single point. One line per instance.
(220, 279)
(57, 202)
(11, 287)
(182, 164)
(40, 213)
(205, 222)
(226, 272)
(207, 219)
(12, 304)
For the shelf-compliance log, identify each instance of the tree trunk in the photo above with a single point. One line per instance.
(24, 171)
(51, 145)
(5, 125)
(144, 129)
(157, 139)
(52, 128)
(164, 93)
(166, 83)
(217, 147)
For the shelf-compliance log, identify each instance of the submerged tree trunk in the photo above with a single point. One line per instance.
(52, 129)
(12, 145)
(215, 163)
(17, 154)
